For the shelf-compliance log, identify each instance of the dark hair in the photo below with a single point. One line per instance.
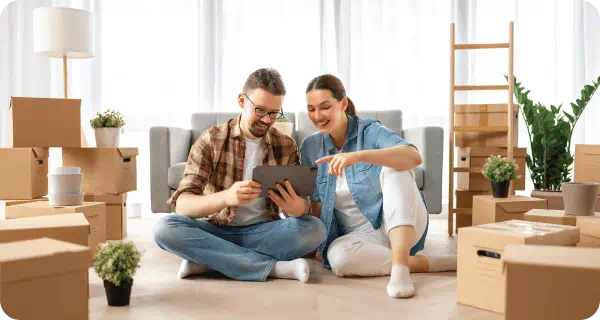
(333, 84)
(267, 79)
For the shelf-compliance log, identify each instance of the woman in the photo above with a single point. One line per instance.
(366, 193)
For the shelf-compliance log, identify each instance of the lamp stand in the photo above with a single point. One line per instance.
(66, 90)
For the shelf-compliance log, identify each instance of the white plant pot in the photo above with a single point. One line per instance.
(107, 137)
(284, 127)
(65, 183)
(65, 199)
(66, 170)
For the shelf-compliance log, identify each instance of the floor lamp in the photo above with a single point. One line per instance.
(64, 33)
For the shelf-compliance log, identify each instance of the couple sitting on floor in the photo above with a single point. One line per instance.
(366, 215)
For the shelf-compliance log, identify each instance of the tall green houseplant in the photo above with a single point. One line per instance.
(550, 132)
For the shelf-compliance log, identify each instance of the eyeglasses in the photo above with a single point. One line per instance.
(263, 112)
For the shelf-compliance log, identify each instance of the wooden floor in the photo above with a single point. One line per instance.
(159, 294)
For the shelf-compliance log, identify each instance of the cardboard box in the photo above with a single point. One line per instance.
(94, 212)
(464, 202)
(106, 170)
(480, 281)
(550, 216)
(487, 115)
(72, 228)
(551, 283)
(587, 163)
(555, 199)
(44, 279)
(487, 209)
(24, 173)
(44, 122)
(476, 157)
(590, 231)
(116, 213)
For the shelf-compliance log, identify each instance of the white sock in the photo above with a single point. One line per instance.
(439, 262)
(189, 268)
(400, 285)
(296, 269)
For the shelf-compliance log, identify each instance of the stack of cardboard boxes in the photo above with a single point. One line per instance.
(71, 234)
(475, 148)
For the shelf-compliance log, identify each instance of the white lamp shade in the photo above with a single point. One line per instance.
(59, 32)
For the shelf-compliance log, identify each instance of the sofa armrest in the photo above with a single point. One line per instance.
(430, 142)
(167, 147)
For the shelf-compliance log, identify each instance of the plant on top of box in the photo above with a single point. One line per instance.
(107, 128)
(550, 131)
(116, 264)
(500, 171)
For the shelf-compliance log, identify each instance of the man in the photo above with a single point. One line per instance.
(221, 224)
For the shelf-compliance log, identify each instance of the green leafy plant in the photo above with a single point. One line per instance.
(500, 169)
(283, 118)
(110, 119)
(550, 131)
(117, 262)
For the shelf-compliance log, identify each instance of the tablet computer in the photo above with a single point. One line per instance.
(303, 178)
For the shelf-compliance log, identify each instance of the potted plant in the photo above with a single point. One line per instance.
(284, 125)
(116, 263)
(107, 128)
(550, 131)
(500, 171)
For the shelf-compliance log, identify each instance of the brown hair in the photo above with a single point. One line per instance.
(333, 84)
(267, 79)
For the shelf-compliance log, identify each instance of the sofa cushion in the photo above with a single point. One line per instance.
(419, 176)
(175, 173)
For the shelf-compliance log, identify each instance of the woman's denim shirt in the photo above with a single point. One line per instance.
(363, 178)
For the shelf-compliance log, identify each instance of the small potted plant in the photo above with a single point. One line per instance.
(284, 125)
(116, 263)
(500, 171)
(107, 128)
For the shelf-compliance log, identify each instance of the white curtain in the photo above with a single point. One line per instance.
(158, 61)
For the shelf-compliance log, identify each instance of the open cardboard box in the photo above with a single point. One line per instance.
(551, 283)
(44, 279)
(45, 122)
(24, 173)
(481, 252)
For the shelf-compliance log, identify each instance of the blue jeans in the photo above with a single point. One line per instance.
(243, 253)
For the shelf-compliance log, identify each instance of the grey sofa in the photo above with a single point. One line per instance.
(169, 149)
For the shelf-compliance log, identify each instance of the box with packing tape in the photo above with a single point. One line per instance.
(589, 226)
(94, 212)
(72, 228)
(116, 213)
(24, 173)
(487, 209)
(480, 281)
(475, 158)
(44, 279)
(44, 122)
(551, 283)
(106, 170)
(485, 115)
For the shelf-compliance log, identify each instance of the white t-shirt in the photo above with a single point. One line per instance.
(348, 214)
(255, 211)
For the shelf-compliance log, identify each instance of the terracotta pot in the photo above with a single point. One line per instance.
(579, 197)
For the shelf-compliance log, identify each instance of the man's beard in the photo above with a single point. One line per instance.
(258, 131)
